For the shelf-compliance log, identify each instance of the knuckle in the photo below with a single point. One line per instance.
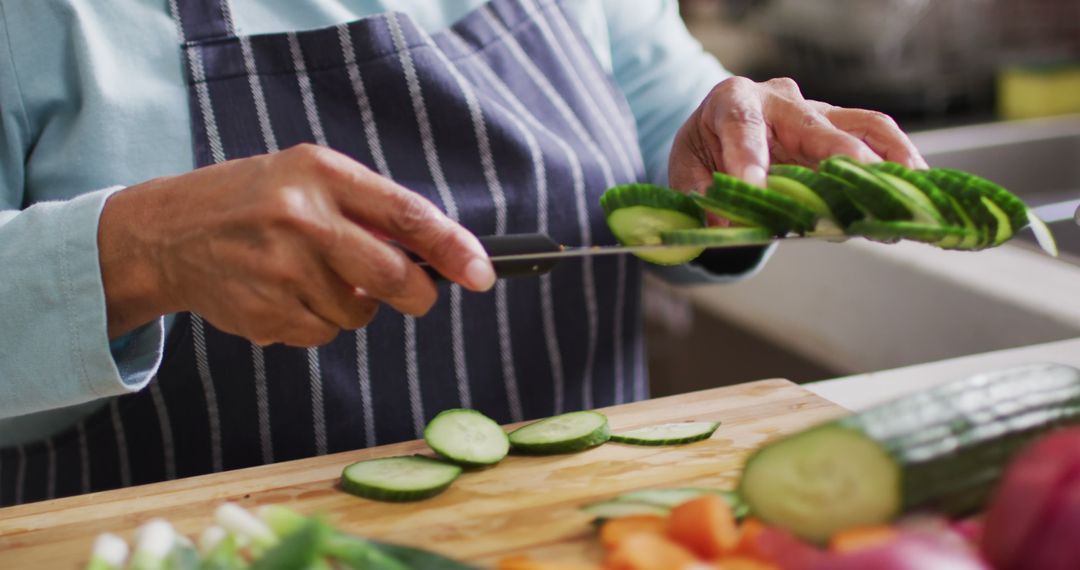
(745, 114)
(412, 214)
(785, 84)
(362, 314)
(882, 121)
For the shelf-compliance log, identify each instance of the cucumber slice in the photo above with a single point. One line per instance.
(923, 211)
(829, 470)
(671, 498)
(614, 509)
(1004, 226)
(801, 193)
(467, 438)
(399, 478)
(1013, 206)
(891, 232)
(637, 213)
(867, 190)
(717, 236)
(928, 193)
(667, 434)
(746, 213)
(829, 188)
(969, 197)
(565, 433)
(660, 502)
(1043, 234)
(775, 207)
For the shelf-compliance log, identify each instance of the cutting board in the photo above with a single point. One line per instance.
(524, 505)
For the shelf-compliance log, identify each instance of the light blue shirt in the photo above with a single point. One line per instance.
(92, 99)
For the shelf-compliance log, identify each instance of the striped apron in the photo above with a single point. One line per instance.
(508, 123)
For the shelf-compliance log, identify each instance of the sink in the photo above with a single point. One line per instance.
(861, 306)
(1038, 160)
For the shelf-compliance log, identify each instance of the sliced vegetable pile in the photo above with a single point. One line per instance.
(884, 202)
(277, 539)
(468, 439)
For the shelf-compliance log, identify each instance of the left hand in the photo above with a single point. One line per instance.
(742, 126)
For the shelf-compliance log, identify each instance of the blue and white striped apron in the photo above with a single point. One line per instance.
(508, 123)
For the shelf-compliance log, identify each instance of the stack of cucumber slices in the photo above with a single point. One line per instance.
(884, 202)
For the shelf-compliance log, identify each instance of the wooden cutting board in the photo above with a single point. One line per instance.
(524, 505)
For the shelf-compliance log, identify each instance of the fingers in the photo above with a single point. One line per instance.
(879, 131)
(738, 120)
(381, 270)
(410, 219)
(805, 133)
(337, 302)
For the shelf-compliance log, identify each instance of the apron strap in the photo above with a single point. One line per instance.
(200, 20)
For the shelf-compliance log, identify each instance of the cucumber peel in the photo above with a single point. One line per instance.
(716, 236)
(667, 434)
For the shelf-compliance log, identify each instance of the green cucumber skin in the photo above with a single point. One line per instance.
(1007, 201)
(377, 493)
(747, 212)
(953, 468)
(734, 192)
(715, 236)
(631, 440)
(869, 192)
(650, 195)
(891, 232)
(970, 200)
(429, 438)
(919, 180)
(597, 437)
(952, 443)
(829, 188)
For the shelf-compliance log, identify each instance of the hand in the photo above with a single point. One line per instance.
(742, 126)
(287, 247)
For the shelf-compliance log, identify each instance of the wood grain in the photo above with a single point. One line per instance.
(524, 505)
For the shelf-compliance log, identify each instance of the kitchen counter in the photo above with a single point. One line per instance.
(861, 391)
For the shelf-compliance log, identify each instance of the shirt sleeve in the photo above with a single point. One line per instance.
(53, 330)
(665, 74)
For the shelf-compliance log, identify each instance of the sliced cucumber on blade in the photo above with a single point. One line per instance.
(467, 438)
(399, 478)
(1043, 235)
(638, 213)
(867, 190)
(891, 232)
(565, 433)
(667, 434)
(717, 236)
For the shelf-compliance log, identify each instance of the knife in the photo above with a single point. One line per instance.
(523, 255)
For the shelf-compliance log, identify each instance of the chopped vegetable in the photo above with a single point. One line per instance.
(861, 538)
(940, 450)
(565, 433)
(638, 213)
(667, 434)
(617, 530)
(647, 551)
(467, 438)
(110, 553)
(399, 478)
(705, 525)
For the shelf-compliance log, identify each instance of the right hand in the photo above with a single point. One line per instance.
(287, 247)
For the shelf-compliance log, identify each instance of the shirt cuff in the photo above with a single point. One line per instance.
(55, 334)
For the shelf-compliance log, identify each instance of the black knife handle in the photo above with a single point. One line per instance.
(512, 244)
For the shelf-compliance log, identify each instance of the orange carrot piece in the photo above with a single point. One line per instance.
(647, 551)
(749, 532)
(705, 525)
(860, 538)
(615, 531)
(743, 563)
(526, 563)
